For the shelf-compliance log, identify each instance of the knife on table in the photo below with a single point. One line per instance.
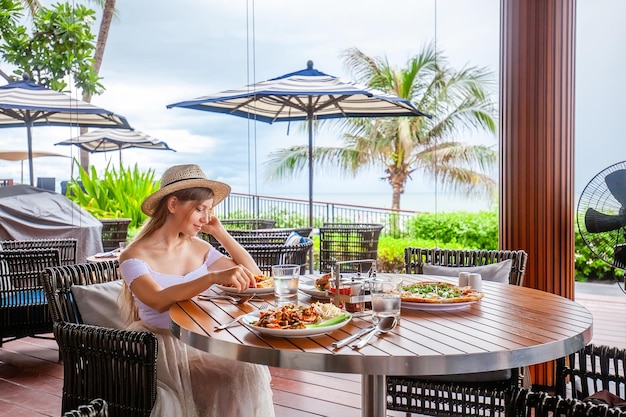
(341, 343)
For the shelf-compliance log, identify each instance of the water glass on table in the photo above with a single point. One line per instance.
(386, 301)
(286, 279)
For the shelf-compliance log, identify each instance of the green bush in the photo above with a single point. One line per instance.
(464, 229)
(117, 194)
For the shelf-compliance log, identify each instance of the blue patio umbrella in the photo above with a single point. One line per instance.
(303, 95)
(25, 103)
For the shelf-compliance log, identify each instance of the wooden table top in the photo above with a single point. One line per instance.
(510, 327)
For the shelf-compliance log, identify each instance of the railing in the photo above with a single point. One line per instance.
(289, 212)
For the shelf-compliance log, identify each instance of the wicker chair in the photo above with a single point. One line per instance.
(248, 224)
(270, 254)
(348, 242)
(261, 237)
(525, 403)
(66, 247)
(472, 394)
(114, 231)
(95, 408)
(23, 305)
(118, 366)
(590, 370)
(415, 258)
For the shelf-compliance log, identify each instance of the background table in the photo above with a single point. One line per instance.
(510, 327)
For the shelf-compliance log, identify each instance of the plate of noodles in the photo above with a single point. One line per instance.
(297, 321)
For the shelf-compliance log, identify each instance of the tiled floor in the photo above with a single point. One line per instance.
(31, 377)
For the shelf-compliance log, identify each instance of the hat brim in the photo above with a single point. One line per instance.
(220, 192)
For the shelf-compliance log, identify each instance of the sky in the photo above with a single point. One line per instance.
(158, 54)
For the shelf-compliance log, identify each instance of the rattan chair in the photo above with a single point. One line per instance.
(260, 237)
(23, 305)
(525, 403)
(470, 394)
(268, 254)
(114, 231)
(66, 247)
(118, 366)
(248, 224)
(95, 408)
(348, 242)
(415, 258)
(590, 370)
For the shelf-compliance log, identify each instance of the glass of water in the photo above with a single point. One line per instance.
(286, 279)
(386, 301)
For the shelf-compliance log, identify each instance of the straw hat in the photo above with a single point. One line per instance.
(180, 177)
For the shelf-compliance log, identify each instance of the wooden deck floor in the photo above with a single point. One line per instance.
(31, 377)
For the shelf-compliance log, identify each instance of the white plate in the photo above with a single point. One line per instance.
(307, 286)
(435, 306)
(233, 290)
(250, 318)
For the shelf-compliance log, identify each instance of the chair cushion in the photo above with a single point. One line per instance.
(98, 303)
(496, 272)
(294, 238)
(23, 298)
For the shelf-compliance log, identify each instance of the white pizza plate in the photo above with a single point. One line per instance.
(233, 290)
(250, 318)
(435, 306)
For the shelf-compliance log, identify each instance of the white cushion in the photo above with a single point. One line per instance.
(98, 303)
(294, 238)
(497, 272)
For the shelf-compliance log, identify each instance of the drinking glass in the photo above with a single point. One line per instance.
(286, 279)
(385, 292)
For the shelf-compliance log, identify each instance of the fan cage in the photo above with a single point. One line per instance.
(609, 246)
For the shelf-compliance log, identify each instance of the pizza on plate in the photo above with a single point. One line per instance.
(439, 292)
(263, 281)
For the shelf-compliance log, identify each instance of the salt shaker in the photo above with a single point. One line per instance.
(476, 282)
(464, 279)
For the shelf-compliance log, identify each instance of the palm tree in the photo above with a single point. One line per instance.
(108, 11)
(459, 102)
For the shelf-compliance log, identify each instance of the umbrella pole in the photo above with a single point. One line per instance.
(310, 117)
(29, 126)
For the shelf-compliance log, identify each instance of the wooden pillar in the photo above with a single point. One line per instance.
(537, 143)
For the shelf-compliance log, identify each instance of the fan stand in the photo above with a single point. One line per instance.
(619, 260)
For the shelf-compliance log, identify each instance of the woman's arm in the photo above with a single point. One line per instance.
(161, 299)
(237, 253)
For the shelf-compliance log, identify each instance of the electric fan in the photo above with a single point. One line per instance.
(601, 215)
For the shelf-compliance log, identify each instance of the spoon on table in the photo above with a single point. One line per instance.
(384, 325)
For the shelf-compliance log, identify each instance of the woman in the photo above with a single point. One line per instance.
(167, 263)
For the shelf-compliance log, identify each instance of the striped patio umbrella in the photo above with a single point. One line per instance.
(25, 103)
(105, 140)
(303, 95)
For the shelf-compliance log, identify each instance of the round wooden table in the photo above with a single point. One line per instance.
(510, 327)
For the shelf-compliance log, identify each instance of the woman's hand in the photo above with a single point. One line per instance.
(213, 225)
(237, 277)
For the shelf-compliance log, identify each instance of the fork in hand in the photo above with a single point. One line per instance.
(230, 323)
